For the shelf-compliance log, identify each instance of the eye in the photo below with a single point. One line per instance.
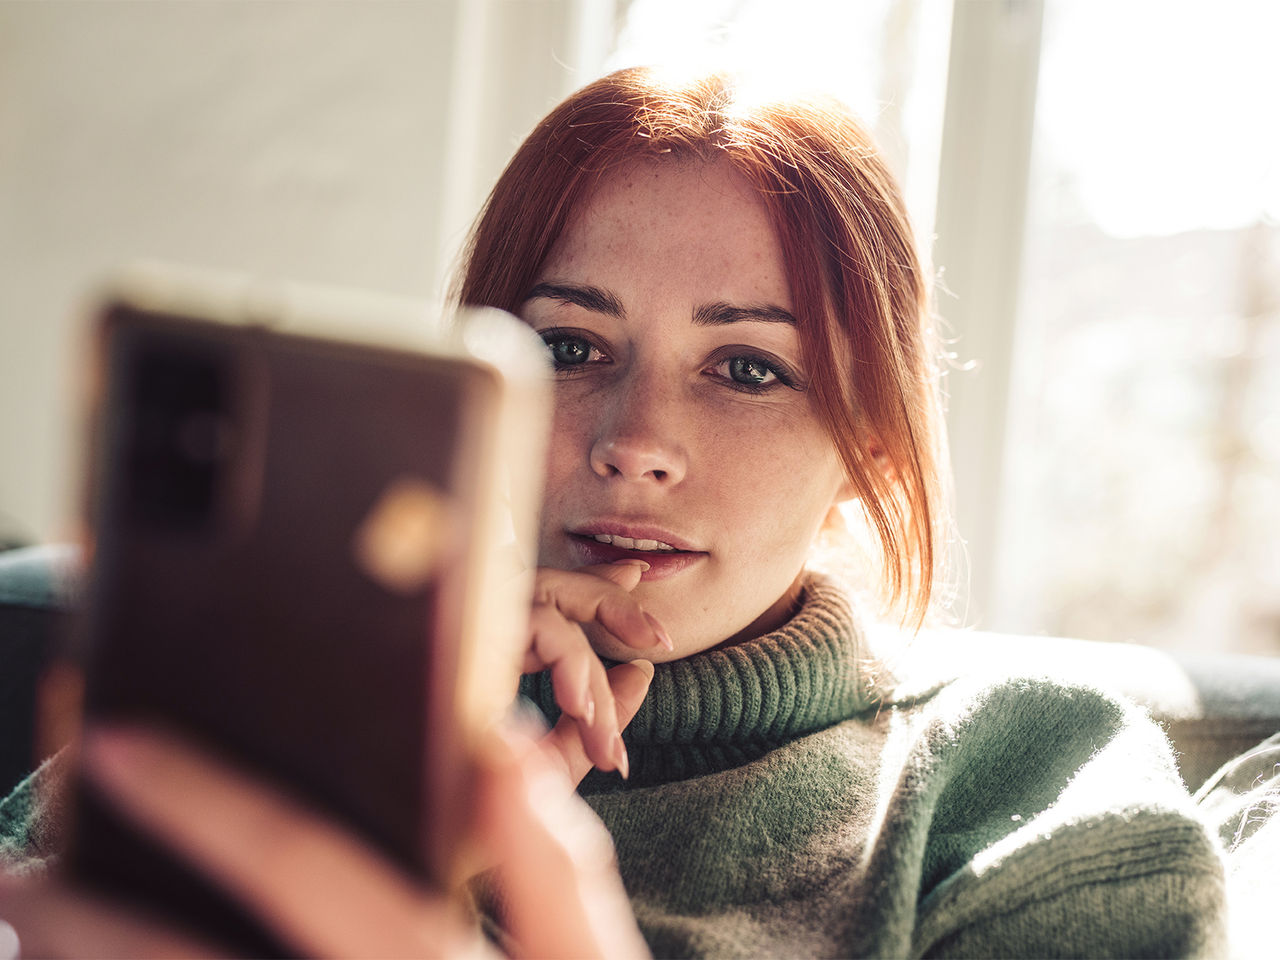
(753, 373)
(569, 350)
(750, 371)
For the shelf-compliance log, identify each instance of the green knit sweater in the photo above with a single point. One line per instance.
(777, 807)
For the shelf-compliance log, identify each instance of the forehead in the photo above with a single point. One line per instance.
(689, 222)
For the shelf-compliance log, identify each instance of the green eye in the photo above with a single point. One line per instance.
(750, 371)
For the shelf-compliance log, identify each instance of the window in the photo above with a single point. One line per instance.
(1107, 194)
(885, 58)
(1142, 460)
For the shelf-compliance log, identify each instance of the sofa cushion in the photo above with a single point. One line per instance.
(37, 589)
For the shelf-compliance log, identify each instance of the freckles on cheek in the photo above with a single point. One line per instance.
(574, 426)
(778, 482)
(767, 440)
(562, 442)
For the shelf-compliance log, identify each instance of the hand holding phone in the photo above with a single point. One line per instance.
(318, 888)
(305, 562)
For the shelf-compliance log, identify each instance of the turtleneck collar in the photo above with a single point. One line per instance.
(725, 707)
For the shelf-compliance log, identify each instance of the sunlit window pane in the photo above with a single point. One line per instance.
(1144, 445)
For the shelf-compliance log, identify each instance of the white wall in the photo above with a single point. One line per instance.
(341, 143)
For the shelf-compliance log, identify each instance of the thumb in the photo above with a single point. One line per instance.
(555, 867)
(625, 573)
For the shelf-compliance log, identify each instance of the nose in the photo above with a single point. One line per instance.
(638, 439)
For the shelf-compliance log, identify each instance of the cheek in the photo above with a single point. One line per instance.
(564, 456)
(574, 422)
(568, 447)
(562, 446)
(776, 482)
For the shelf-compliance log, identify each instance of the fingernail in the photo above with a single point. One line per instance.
(645, 667)
(663, 639)
(642, 564)
(620, 758)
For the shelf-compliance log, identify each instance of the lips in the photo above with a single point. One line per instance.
(666, 553)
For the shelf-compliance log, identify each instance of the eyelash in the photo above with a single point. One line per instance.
(783, 375)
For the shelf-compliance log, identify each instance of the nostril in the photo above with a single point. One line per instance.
(636, 460)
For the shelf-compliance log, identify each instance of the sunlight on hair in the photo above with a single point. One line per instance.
(829, 45)
(885, 59)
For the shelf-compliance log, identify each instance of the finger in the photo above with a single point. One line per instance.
(316, 885)
(581, 688)
(560, 645)
(629, 683)
(555, 861)
(587, 597)
(602, 740)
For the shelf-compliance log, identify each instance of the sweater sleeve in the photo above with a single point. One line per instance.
(32, 819)
(1037, 819)
(1241, 803)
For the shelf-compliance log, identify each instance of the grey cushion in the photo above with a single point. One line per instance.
(37, 588)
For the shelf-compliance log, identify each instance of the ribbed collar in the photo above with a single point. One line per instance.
(726, 707)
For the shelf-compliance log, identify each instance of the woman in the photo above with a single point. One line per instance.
(736, 312)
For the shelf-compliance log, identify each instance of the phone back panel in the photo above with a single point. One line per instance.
(281, 539)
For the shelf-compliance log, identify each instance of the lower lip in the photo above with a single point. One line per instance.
(662, 564)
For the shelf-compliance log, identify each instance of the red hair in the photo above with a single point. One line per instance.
(857, 284)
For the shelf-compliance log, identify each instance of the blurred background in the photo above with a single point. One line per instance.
(1098, 182)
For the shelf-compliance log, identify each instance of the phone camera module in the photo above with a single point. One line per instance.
(181, 436)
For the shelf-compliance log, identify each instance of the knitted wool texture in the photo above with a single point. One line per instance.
(33, 818)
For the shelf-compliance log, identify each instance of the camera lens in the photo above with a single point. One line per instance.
(179, 433)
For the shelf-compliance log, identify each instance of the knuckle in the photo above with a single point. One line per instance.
(543, 618)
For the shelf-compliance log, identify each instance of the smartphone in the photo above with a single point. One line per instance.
(311, 554)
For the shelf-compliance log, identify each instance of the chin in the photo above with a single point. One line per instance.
(620, 653)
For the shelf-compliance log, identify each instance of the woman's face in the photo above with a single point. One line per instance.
(683, 432)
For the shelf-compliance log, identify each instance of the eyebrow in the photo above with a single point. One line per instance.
(712, 314)
(599, 300)
(581, 295)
